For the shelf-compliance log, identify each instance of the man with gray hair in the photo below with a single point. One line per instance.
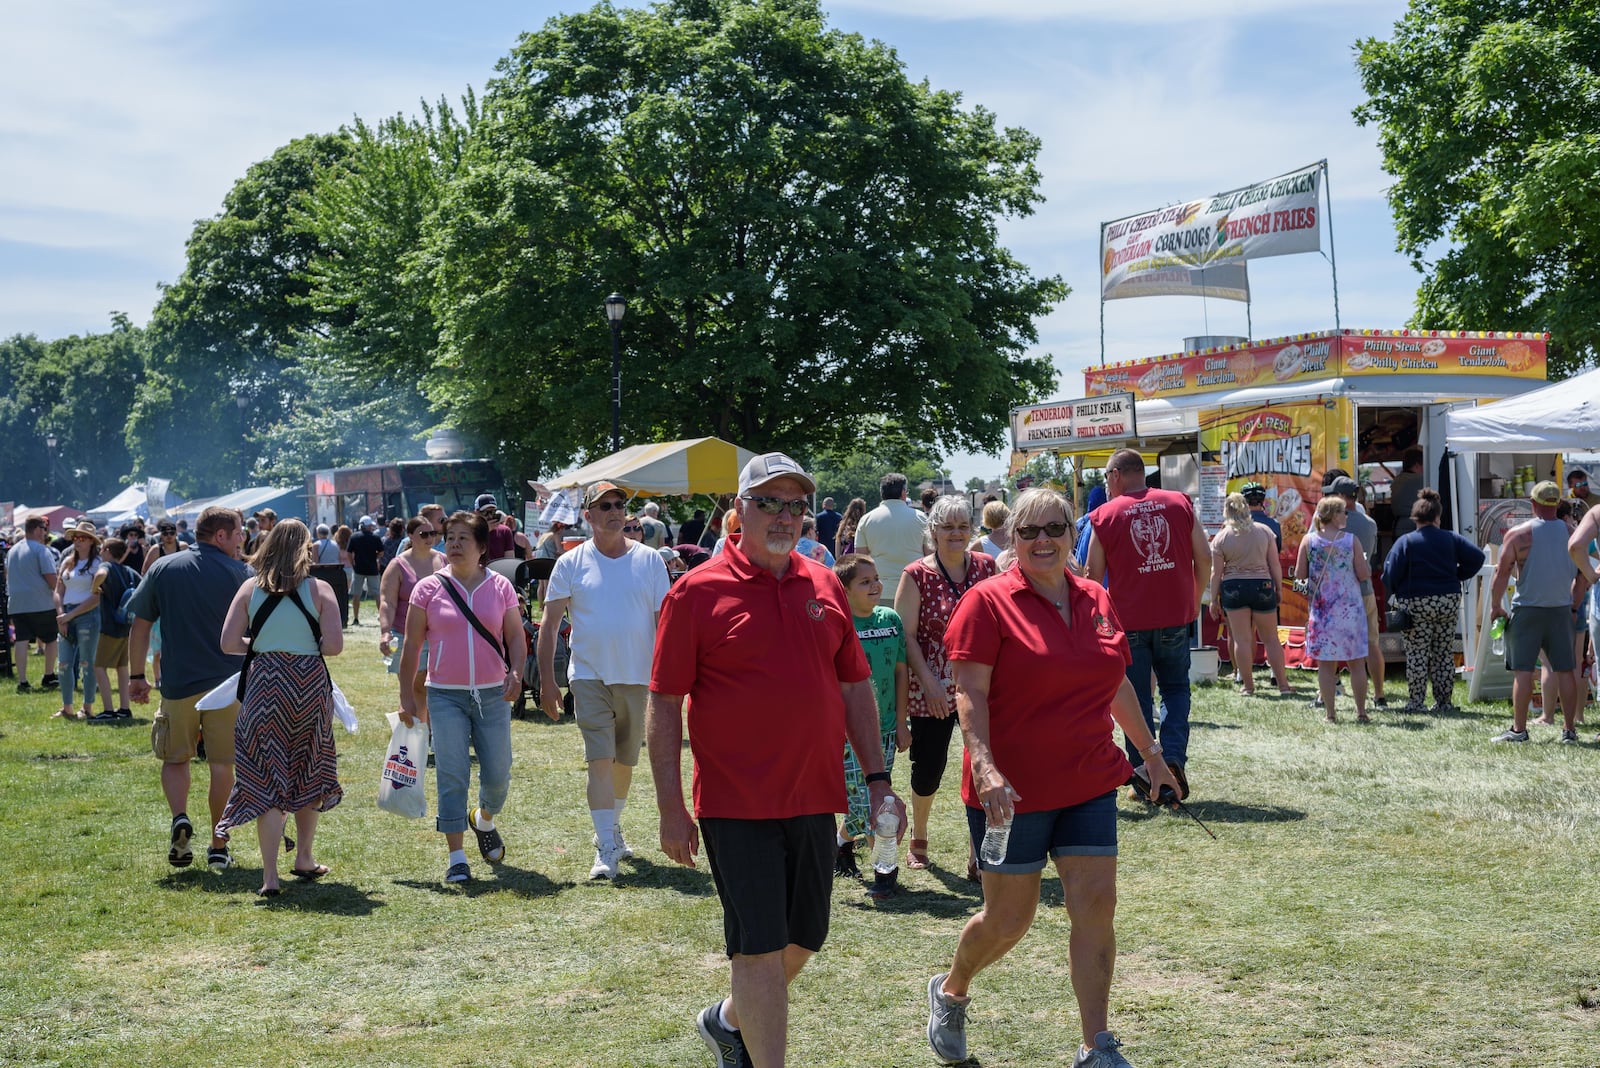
(763, 642)
(655, 531)
(892, 534)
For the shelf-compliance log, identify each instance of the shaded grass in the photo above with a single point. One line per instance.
(1400, 894)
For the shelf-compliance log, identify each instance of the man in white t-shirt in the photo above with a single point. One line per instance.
(613, 589)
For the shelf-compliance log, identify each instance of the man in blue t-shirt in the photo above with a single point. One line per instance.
(189, 594)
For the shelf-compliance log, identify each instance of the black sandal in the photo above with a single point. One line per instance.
(310, 875)
(490, 843)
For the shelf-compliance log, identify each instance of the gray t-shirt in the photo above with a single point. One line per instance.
(27, 566)
(188, 593)
(1365, 529)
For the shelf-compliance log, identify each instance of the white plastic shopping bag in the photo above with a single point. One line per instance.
(405, 766)
(220, 696)
(342, 709)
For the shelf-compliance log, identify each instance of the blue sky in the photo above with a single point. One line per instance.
(127, 120)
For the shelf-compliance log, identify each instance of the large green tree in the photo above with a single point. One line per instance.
(803, 235)
(79, 389)
(1488, 114)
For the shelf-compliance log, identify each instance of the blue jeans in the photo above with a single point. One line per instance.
(1165, 651)
(478, 718)
(78, 655)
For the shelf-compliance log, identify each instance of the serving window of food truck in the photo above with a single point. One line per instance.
(1284, 412)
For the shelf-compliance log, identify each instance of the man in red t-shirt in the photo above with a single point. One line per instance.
(761, 642)
(1153, 553)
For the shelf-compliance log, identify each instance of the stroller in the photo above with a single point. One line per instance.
(527, 706)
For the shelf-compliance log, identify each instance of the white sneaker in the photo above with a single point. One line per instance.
(621, 847)
(605, 864)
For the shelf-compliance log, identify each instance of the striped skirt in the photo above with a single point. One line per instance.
(283, 740)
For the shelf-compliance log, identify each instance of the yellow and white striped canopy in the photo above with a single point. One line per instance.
(666, 469)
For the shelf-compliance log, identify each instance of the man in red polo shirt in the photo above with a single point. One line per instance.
(762, 643)
(1153, 552)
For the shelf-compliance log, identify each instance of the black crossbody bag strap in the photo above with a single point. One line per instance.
(477, 624)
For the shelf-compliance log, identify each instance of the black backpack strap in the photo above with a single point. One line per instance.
(250, 633)
(472, 617)
(316, 624)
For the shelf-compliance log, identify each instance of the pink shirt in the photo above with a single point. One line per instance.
(458, 657)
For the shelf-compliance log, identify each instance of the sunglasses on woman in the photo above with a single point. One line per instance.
(1051, 530)
(776, 505)
(426, 534)
(633, 530)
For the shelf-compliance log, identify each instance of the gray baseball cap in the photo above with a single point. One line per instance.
(769, 467)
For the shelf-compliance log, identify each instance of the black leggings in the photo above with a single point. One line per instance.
(930, 751)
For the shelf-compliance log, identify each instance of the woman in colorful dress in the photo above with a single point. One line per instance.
(929, 590)
(283, 740)
(1333, 567)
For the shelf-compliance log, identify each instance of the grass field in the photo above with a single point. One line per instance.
(1399, 894)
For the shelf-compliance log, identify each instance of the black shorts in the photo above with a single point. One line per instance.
(1258, 595)
(775, 880)
(36, 626)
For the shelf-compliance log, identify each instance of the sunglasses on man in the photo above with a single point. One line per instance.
(776, 505)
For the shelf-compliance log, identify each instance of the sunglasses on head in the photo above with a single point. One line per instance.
(776, 505)
(1053, 530)
(608, 506)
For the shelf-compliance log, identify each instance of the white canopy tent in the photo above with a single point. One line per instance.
(1560, 417)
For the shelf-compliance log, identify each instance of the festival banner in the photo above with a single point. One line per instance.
(1102, 420)
(1150, 253)
(1307, 357)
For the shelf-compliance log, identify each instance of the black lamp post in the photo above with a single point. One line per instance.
(50, 444)
(616, 307)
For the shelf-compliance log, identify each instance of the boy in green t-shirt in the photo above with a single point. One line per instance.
(883, 639)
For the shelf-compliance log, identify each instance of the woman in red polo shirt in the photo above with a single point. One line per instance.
(1039, 662)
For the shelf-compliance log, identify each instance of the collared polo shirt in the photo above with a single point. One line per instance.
(1051, 689)
(760, 660)
(188, 593)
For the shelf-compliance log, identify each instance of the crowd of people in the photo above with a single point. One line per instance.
(800, 650)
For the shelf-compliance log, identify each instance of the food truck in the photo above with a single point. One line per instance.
(345, 494)
(1227, 411)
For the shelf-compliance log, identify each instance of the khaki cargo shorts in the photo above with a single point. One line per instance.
(178, 726)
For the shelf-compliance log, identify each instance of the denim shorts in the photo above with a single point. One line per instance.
(1088, 829)
(1258, 595)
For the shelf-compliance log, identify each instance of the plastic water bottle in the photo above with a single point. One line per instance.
(996, 839)
(1497, 637)
(885, 847)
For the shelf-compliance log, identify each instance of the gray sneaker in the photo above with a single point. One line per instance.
(725, 1045)
(947, 1022)
(1511, 734)
(1569, 737)
(1107, 1053)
